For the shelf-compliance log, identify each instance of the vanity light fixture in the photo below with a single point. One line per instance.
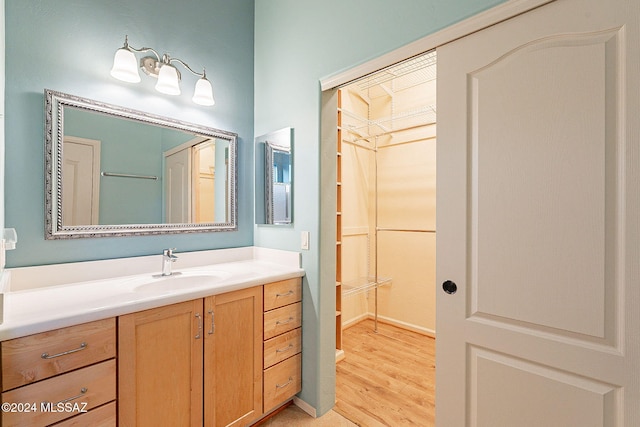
(125, 68)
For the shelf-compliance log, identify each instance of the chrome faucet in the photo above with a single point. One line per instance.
(167, 259)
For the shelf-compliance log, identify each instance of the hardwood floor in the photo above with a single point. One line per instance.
(387, 378)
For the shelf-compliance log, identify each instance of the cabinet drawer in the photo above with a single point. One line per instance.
(282, 381)
(104, 416)
(279, 294)
(282, 320)
(36, 357)
(281, 347)
(94, 385)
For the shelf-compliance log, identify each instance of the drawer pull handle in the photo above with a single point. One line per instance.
(285, 384)
(282, 350)
(53, 356)
(284, 322)
(213, 325)
(83, 391)
(199, 317)
(285, 295)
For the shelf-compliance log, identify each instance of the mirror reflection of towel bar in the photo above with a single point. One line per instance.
(127, 175)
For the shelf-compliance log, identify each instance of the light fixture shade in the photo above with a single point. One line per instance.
(125, 66)
(203, 94)
(168, 80)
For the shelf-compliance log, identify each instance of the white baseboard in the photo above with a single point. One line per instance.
(304, 406)
(355, 320)
(404, 325)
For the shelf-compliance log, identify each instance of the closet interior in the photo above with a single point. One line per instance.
(386, 168)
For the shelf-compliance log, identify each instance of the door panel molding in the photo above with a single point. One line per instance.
(552, 397)
(503, 224)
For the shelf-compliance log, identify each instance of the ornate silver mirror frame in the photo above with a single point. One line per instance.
(56, 228)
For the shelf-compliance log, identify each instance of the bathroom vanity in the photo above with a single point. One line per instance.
(57, 374)
(216, 343)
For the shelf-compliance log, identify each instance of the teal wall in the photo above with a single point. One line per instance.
(296, 44)
(68, 46)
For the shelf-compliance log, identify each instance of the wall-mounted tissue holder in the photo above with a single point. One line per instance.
(10, 238)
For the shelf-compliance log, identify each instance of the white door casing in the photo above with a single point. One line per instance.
(537, 216)
(81, 184)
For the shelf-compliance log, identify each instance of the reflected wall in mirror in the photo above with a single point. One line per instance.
(274, 177)
(112, 171)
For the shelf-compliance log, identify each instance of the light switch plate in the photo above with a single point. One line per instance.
(304, 240)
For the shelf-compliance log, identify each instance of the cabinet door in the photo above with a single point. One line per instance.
(160, 366)
(233, 358)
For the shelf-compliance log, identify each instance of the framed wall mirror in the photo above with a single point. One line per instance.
(274, 177)
(111, 171)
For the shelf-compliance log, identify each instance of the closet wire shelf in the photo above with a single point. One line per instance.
(421, 68)
(363, 284)
(363, 127)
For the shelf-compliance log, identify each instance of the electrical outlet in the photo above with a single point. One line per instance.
(304, 240)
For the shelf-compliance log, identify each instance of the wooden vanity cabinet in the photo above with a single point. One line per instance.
(282, 360)
(160, 366)
(65, 374)
(233, 358)
(194, 363)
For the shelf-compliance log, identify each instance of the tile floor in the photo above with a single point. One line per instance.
(293, 416)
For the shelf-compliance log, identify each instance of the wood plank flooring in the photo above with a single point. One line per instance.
(387, 378)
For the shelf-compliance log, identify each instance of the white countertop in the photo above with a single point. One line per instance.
(38, 309)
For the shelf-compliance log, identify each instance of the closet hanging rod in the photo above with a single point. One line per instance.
(405, 230)
(358, 144)
(354, 234)
(129, 175)
(362, 138)
(410, 141)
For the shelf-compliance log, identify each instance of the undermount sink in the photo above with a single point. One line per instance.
(180, 280)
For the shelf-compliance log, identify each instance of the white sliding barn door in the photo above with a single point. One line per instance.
(538, 220)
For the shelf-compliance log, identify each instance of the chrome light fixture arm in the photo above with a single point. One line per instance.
(168, 60)
(140, 50)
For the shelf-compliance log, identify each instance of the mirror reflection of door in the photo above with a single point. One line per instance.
(177, 171)
(204, 182)
(191, 185)
(81, 181)
(274, 177)
(281, 186)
